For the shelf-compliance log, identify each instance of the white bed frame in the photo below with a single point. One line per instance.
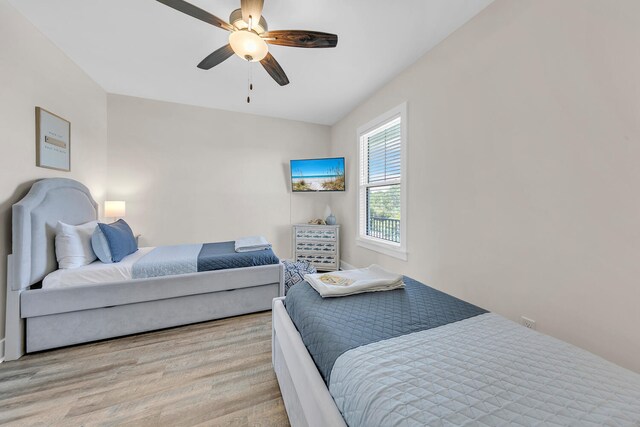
(39, 319)
(306, 397)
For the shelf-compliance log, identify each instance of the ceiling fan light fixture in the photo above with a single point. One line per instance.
(248, 45)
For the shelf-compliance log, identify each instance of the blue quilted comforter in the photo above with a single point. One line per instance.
(184, 259)
(331, 326)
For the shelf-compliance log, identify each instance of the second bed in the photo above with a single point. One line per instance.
(417, 356)
(48, 308)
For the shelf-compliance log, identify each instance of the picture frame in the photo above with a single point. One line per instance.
(53, 141)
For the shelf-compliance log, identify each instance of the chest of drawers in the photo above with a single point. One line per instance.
(317, 244)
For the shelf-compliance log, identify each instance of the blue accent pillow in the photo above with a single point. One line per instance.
(101, 246)
(294, 272)
(113, 242)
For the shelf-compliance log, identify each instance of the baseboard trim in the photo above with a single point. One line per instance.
(2, 350)
(346, 266)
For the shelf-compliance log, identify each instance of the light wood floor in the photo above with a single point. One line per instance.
(214, 373)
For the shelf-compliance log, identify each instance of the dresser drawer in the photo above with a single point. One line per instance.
(321, 262)
(315, 246)
(316, 234)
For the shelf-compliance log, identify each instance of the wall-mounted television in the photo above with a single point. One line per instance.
(313, 175)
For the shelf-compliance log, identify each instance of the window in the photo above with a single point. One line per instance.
(382, 202)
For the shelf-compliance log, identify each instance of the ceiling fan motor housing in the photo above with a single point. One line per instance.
(236, 20)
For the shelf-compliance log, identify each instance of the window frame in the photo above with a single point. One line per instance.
(362, 239)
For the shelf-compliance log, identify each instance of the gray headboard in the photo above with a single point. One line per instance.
(34, 222)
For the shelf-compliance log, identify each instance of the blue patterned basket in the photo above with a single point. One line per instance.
(294, 272)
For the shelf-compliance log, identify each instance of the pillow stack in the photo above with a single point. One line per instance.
(79, 245)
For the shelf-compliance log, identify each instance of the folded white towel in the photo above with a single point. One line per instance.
(349, 282)
(252, 243)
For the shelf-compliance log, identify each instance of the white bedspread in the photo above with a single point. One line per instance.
(96, 272)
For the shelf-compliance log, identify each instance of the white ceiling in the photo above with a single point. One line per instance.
(143, 48)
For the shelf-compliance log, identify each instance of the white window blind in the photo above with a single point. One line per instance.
(381, 182)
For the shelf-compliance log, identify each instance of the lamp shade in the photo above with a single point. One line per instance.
(248, 45)
(114, 209)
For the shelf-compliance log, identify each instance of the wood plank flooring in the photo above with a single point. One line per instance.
(215, 374)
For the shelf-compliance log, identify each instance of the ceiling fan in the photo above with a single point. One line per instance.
(250, 36)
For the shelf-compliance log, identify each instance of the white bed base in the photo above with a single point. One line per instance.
(306, 397)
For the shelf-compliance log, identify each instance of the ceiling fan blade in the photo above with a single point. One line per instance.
(216, 57)
(274, 69)
(300, 38)
(253, 9)
(196, 12)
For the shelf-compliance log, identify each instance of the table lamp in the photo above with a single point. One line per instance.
(114, 209)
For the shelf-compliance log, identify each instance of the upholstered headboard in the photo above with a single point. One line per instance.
(34, 222)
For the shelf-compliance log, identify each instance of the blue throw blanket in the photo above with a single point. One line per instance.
(184, 259)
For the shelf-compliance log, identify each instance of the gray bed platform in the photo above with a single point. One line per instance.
(40, 319)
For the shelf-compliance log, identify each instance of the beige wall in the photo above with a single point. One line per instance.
(524, 151)
(192, 174)
(33, 72)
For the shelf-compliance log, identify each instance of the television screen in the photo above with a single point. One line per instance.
(317, 175)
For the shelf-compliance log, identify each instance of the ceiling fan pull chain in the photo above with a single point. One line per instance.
(250, 81)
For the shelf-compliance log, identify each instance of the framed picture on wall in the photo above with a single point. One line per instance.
(53, 141)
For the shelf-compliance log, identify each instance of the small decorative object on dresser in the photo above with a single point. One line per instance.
(330, 218)
(317, 244)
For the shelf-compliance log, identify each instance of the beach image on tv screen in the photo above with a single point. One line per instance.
(317, 175)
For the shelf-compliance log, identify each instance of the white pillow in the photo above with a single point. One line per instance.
(73, 244)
